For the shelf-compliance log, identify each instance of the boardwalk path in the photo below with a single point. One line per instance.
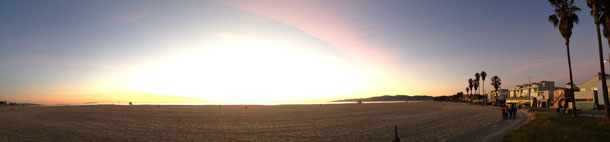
(495, 131)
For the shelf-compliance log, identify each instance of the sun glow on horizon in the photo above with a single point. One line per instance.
(247, 69)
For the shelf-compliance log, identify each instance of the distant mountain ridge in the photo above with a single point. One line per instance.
(390, 98)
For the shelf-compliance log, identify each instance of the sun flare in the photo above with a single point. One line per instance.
(241, 69)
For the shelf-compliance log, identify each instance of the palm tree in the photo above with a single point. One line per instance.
(496, 82)
(600, 9)
(467, 90)
(470, 84)
(477, 77)
(565, 17)
(483, 75)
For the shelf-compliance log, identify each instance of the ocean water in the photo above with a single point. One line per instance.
(314, 103)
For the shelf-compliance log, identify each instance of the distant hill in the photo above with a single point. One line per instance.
(28, 104)
(390, 98)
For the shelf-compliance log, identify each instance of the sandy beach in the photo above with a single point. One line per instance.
(419, 121)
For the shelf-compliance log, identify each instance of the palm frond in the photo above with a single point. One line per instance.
(574, 9)
(564, 17)
(554, 2)
(553, 19)
(574, 18)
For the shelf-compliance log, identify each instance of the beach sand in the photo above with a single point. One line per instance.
(416, 121)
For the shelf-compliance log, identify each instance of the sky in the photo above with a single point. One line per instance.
(251, 51)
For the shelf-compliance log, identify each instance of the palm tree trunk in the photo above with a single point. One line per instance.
(498, 94)
(484, 95)
(571, 80)
(603, 69)
(606, 101)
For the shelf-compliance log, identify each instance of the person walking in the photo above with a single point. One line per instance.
(506, 107)
(515, 113)
(510, 112)
(503, 113)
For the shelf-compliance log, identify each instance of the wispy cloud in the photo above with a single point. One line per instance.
(533, 64)
(579, 75)
(334, 22)
(123, 18)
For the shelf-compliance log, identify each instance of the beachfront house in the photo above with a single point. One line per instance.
(545, 91)
(518, 95)
(515, 92)
(588, 92)
(540, 94)
(559, 99)
(499, 97)
(598, 98)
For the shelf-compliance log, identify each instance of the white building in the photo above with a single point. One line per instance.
(598, 94)
(539, 93)
(499, 97)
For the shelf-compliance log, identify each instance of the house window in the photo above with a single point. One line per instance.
(581, 100)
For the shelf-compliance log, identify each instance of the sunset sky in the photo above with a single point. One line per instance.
(73, 52)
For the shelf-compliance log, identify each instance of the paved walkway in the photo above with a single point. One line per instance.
(495, 132)
(583, 113)
(592, 113)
